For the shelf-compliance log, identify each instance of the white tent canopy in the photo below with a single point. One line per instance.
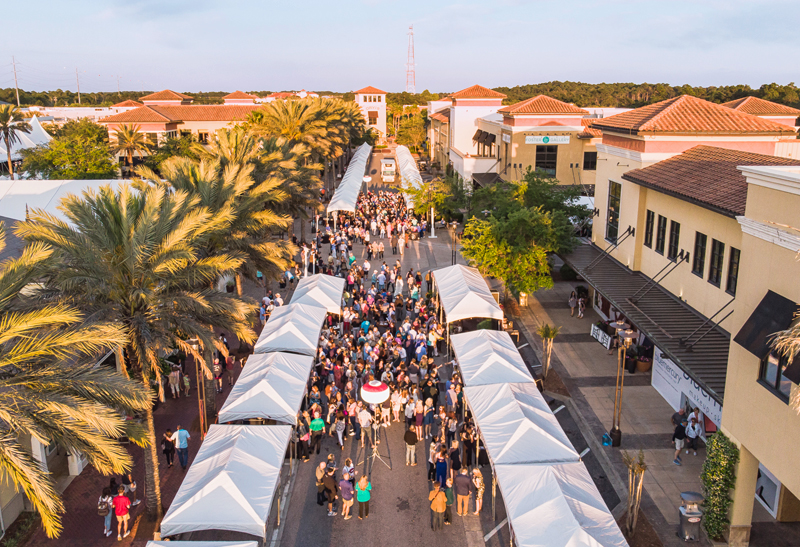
(320, 290)
(517, 426)
(16, 195)
(346, 195)
(271, 386)
(37, 137)
(409, 174)
(232, 481)
(556, 505)
(464, 294)
(294, 328)
(489, 357)
(202, 544)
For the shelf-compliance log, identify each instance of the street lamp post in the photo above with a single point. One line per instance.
(194, 343)
(626, 337)
(453, 229)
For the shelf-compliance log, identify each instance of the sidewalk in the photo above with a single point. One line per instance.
(589, 374)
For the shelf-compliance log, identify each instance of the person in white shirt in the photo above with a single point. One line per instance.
(278, 300)
(693, 432)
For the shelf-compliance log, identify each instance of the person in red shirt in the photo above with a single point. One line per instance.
(122, 505)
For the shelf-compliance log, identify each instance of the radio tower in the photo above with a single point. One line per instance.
(411, 78)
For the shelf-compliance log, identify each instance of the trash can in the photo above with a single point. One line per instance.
(691, 517)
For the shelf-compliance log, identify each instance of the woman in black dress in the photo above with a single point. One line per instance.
(455, 459)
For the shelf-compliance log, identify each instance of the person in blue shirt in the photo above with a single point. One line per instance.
(181, 439)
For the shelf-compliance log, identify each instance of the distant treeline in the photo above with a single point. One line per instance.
(624, 95)
(629, 95)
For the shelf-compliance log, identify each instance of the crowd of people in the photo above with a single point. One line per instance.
(390, 331)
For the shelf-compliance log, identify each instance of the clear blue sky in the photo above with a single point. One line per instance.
(205, 45)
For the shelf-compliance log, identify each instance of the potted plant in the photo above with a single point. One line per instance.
(643, 362)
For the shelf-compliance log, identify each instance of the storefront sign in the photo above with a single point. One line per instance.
(672, 382)
(601, 336)
(506, 137)
(555, 139)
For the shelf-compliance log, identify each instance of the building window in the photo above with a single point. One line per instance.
(771, 375)
(202, 137)
(614, 194)
(715, 266)
(674, 237)
(546, 159)
(648, 229)
(379, 99)
(364, 99)
(699, 264)
(733, 271)
(590, 161)
(661, 234)
(373, 117)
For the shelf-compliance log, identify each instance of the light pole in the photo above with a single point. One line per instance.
(452, 228)
(626, 337)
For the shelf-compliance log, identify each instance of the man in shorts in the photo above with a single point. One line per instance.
(679, 438)
(122, 506)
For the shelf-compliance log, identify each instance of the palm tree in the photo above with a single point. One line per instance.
(51, 390)
(547, 333)
(11, 125)
(130, 141)
(133, 258)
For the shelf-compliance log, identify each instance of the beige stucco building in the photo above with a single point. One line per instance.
(372, 102)
(695, 245)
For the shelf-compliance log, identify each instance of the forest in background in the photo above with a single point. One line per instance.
(622, 95)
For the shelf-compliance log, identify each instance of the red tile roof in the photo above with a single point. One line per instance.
(183, 113)
(542, 104)
(760, 107)
(128, 103)
(687, 114)
(370, 89)
(477, 92)
(239, 95)
(589, 132)
(442, 115)
(280, 95)
(166, 95)
(705, 175)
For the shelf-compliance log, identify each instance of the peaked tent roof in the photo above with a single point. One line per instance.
(320, 290)
(556, 505)
(489, 357)
(517, 426)
(232, 481)
(687, 114)
(760, 107)
(36, 137)
(370, 89)
(294, 328)
(271, 386)
(465, 294)
(165, 95)
(409, 173)
(477, 92)
(44, 194)
(346, 195)
(542, 104)
(239, 95)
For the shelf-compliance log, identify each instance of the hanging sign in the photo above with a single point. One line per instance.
(672, 382)
(554, 139)
(601, 336)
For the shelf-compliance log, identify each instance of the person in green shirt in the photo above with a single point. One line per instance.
(363, 489)
(317, 427)
(451, 498)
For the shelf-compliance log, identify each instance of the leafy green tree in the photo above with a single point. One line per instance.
(412, 131)
(84, 128)
(133, 258)
(51, 390)
(79, 150)
(12, 125)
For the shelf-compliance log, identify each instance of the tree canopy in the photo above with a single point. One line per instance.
(79, 150)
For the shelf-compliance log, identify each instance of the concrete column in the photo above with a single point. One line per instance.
(39, 452)
(743, 499)
(75, 462)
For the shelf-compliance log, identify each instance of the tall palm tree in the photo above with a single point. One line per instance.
(12, 124)
(130, 140)
(133, 258)
(51, 390)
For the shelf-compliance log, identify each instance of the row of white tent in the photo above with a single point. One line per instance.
(409, 174)
(37, 136)
(232, 482)
(346, 195)
(550, 497)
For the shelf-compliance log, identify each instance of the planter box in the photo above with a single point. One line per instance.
(643, 366)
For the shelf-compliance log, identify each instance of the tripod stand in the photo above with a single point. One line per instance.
(375, 453)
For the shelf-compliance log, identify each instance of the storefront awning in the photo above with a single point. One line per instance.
(661, 317)
(774, 313)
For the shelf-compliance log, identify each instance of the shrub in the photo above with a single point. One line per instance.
(567, 273)
(719, 478)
